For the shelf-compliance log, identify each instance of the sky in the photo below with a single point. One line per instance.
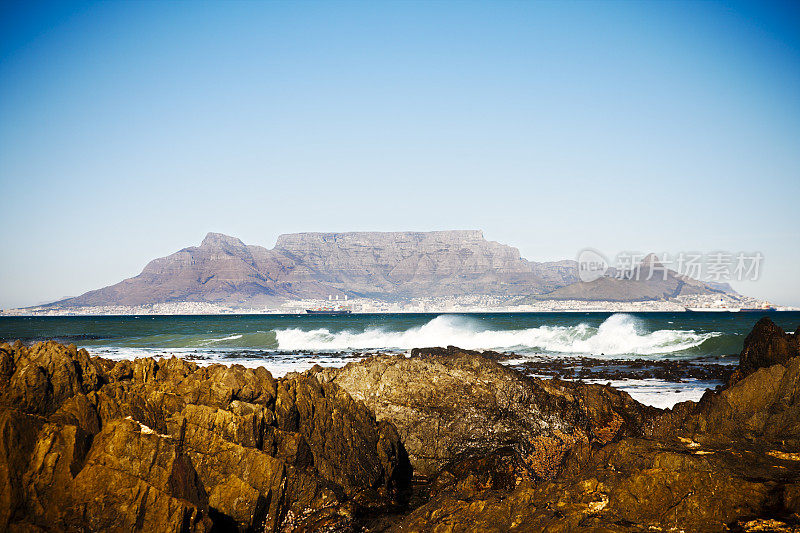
(128, 130)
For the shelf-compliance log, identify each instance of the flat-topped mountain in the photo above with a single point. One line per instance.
(390, 266)
(415, 264)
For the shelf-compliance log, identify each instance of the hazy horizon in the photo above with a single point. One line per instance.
(130, 130)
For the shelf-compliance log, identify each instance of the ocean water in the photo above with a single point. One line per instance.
(285, 343)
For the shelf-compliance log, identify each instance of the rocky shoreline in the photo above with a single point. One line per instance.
(711, 369)
(444, 440)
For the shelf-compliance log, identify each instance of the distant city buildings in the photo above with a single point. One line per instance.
(453, 304)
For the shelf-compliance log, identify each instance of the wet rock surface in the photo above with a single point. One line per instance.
(710, 370)
(146, 445)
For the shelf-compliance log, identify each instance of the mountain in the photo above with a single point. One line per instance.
(389, 266)
(407, 265)
(392, 266)
(650, 280)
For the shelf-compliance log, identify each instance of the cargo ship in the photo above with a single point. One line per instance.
(765, 308)
(329, 311)
(713, 309)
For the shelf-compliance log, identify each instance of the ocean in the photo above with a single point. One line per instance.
(534, 342)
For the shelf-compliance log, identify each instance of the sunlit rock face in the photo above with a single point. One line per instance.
(88, 444)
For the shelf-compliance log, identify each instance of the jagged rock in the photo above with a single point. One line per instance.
(767, 345)
(631, 485)
(438, 351)
(78, 411)
(337, 428)
(254, 479)
(135, 479)
(446, 403)
(764, 407)
(125, 478)
(38, 379)
(760, 402)
(168, 445)
(18, 433)
(726, 463)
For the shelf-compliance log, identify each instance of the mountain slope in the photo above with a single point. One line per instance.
(650, 280)
(221, 268)
(389, 266)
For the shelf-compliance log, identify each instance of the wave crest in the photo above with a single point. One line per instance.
(619, 334)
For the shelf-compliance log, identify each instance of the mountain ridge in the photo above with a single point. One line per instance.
(390, 266)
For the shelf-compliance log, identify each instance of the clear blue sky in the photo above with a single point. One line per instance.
(130, 129)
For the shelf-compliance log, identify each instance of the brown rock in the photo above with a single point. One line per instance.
(631, 485)
(135, 479)
(233, 448)
(18, 434)
(766, 345)
(178, 447)
(338, 430)
(45, 375)
(726, 463)
(449, 403)
(124, 479)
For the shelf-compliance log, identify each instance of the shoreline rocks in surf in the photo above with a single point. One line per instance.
(172, 446)
(727, 463)
(167, 445)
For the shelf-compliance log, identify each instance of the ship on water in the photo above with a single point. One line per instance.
(331, 309)
(763, 309)
(720, 307)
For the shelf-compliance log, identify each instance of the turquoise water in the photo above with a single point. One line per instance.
(600, 334)
(285, 343)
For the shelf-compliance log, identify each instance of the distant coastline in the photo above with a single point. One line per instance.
(378, 307)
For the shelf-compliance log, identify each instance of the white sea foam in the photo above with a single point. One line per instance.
(658, 393)
(278, 365)
(618, 335)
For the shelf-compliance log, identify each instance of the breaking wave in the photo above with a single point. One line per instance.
(619, 334)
